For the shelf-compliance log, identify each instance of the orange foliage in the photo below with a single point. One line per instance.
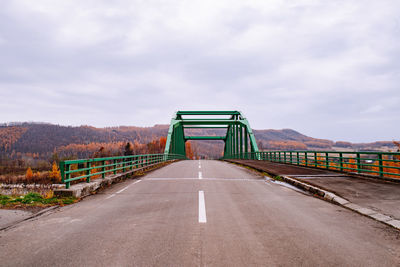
(351, 164)
(320, 161)
(388, 166)
(285, 145)
(189, 151)
(92, 171)
(163, 141)
(29, 174)
(55, 173)
(10, 135)
(375, 168)
(156, 146)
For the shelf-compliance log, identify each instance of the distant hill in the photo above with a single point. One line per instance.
(289, 139)
(40, 138)
(43, 139)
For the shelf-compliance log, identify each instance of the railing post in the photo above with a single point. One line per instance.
(341, 161)
(88, 166)
(315, 159)
(291, 157)
(103, 169)
(380, 164)
(284, 156)
(115, 166)
(305, 158)
(131, 163)
(62, 171)
(358, 163)
(298, 160)
(67, 175)
(326, 160)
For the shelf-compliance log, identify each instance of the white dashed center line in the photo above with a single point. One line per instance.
(200, 175)
(202, 208)
(110, 196)
(123, 189)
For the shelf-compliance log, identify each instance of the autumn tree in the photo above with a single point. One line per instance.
(55, 172)
(29, 174)
(128, 149)
(163, 141)
(189, 151)
(398, 145)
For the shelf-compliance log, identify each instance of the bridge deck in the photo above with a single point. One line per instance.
(196, 214)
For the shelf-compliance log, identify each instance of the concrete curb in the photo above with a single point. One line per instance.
(37, 214)
(331, 197)
(85, 189)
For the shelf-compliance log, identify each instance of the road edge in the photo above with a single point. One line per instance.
(34, 215)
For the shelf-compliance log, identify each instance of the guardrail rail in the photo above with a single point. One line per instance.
(382, 164)
(72, 170)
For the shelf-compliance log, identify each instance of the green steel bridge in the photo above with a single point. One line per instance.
(240, 143)
(239, 138)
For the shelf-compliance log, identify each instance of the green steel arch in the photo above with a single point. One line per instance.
(239, 138)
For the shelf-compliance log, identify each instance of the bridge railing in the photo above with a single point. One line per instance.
(383, 164)
(72, 170)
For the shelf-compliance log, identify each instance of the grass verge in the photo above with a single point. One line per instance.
(34, 200)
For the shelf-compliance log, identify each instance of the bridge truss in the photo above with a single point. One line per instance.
(239, 138)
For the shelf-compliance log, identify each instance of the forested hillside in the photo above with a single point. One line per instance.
(23, 144)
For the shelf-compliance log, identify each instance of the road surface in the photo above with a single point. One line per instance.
(200, 213)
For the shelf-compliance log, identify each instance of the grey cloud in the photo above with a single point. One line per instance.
(319, 67)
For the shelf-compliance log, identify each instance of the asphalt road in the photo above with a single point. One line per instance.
(217, 214)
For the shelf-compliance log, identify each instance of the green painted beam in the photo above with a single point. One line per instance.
(208, 122)
(205, 137)
(207, 113)
(205, 127)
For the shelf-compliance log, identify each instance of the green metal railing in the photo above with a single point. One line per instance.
(383, 164)
(72, 170)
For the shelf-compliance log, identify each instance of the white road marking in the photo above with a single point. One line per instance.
(110, 196)
(123, 189)
(202, 208)
(126, 187)
(200, 175)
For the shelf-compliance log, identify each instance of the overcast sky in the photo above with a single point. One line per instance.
(329, 69)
